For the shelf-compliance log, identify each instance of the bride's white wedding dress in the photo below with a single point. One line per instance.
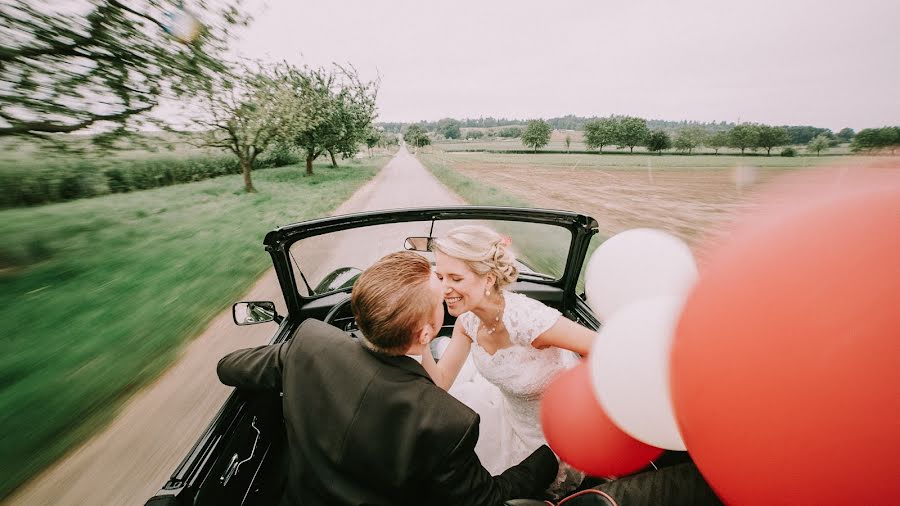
(507, 392)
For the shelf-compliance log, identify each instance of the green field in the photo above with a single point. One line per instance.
(104, 292)
(635, 161)
(691, 197)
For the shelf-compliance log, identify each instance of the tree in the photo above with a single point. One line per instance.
(354, 113)
(245, 115)
(105, 66)
(449, 128)
(819, 144)
(372, 138)
(846, 134)
(568, 142)
(388, 139)
(658, 141)
(718, 140)
(632, 132)
(416, 136)
(889, 137)
(601, 132)
(689, 138)
(769, 137)
(743, 137)
(331, 110)
(536, 134)
(804, 134)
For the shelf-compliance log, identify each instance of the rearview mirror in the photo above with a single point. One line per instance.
(418, 244)
(251, 313)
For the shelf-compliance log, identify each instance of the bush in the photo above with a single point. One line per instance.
(30, 183)
(510, 132)
(788, 151)
(278, 156)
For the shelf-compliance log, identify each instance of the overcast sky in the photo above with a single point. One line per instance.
(819, 62)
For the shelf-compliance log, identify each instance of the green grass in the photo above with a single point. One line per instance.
(101, 294)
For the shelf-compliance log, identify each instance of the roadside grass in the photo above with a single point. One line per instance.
(474, 192)
(101, 294)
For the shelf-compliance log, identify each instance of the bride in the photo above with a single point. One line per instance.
(517, 344)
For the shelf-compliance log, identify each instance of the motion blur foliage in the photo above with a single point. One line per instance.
(104, 64)
(29, 184)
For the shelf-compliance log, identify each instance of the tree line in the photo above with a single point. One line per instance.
(630, 132)
(450, 128)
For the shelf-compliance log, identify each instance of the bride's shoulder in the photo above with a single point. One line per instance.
(527, 318)
(521, 302)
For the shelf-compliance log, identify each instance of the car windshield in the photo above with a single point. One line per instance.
(330, 262)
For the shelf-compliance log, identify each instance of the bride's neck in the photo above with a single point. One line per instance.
(489, 309)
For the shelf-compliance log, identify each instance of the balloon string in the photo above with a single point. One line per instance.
(654, 465)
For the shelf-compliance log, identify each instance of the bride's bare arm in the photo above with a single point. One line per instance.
(568, 335)
(444, 373)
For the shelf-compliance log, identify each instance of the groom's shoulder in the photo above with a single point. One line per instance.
(446, 414)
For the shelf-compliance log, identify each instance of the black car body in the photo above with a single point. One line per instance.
(239, 458)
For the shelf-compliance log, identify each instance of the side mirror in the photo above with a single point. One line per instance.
(251, 313)
(417, 244)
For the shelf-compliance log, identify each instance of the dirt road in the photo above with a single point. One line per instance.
(132, 458)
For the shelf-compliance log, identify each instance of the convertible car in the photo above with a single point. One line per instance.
(239, 458)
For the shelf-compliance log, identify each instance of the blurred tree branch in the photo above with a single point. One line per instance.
(102, 65)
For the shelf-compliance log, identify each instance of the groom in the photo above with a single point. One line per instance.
(365, 423)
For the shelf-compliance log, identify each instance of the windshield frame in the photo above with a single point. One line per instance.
(279, 241)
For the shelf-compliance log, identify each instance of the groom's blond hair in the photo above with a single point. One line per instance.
(392, 301)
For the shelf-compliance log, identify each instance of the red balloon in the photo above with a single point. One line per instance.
(578, 430)
(786, 363)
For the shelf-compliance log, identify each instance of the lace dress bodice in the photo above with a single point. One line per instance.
(521, 372)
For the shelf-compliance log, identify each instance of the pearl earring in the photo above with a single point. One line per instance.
(487, 292)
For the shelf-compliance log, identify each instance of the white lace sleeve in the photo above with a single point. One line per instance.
(469, 324)
(526, 318)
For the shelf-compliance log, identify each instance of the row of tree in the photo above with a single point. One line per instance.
(450, 128)
(630, 132)
(315, 110)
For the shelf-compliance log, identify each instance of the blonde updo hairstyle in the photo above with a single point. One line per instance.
(483, 250)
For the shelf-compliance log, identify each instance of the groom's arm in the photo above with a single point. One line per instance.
(461, 479)
(254, 368)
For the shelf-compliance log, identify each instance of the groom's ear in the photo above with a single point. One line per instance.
(426, 334)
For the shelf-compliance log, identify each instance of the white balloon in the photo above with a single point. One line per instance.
(629, 365)
(637, 264)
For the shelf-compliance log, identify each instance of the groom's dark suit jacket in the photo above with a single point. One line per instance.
(368, 428)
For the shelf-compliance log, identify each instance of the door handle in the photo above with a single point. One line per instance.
(234, 465)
